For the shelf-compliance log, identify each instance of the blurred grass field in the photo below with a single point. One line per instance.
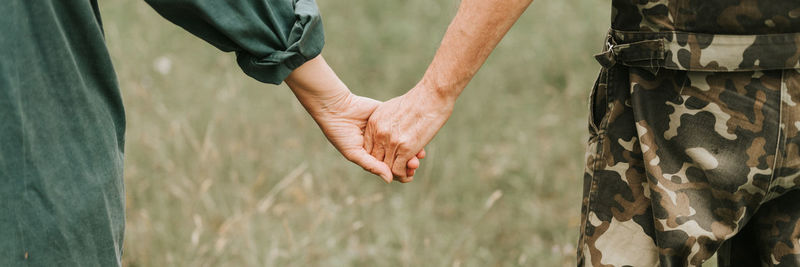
(224, 171)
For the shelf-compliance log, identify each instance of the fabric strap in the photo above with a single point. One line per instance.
(700, 51)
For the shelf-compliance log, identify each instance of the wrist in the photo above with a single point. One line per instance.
(443, 89)
(317, 87)
(438, 93)
(432, 100)
(323, 104)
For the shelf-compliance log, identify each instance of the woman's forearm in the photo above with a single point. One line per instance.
(317, 86)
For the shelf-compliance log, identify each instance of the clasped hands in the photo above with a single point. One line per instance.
(398, 130)
(386, 139)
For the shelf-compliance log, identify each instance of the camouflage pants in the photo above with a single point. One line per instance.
(683, 164)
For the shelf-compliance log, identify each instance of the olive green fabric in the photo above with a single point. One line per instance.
(271, 38)
(62, 124)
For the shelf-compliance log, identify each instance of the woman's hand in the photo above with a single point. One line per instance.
(402, 126)
(343, 123)
(341, 115)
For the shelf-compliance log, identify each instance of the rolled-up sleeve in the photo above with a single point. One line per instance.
(270, 37)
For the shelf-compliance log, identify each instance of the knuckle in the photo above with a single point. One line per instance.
(405, 149)
(404, 139)
(404, 143)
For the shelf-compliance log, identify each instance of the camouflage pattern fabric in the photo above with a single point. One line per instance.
(702, 52)
(679, 162)
(694, 142)
(738, 17)
(773, 233)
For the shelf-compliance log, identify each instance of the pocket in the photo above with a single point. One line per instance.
(598, 102)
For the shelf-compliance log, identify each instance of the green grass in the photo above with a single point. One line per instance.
(223, 170)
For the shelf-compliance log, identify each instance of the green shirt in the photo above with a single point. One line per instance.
(63, 125)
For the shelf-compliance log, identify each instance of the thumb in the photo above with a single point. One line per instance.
(370, 164)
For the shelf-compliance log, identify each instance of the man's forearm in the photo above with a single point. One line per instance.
(405, 124)
(476, 30)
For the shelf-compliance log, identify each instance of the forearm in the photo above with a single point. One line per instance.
(405, 124)
(317, 87)
(475, 31)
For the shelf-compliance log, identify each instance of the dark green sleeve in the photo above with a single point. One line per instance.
(270, 37)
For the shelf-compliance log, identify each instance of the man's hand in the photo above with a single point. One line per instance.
(343, 124)
(407, 123)
(341, 115)
(404, 125)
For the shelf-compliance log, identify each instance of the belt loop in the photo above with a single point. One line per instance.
(607, 58)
